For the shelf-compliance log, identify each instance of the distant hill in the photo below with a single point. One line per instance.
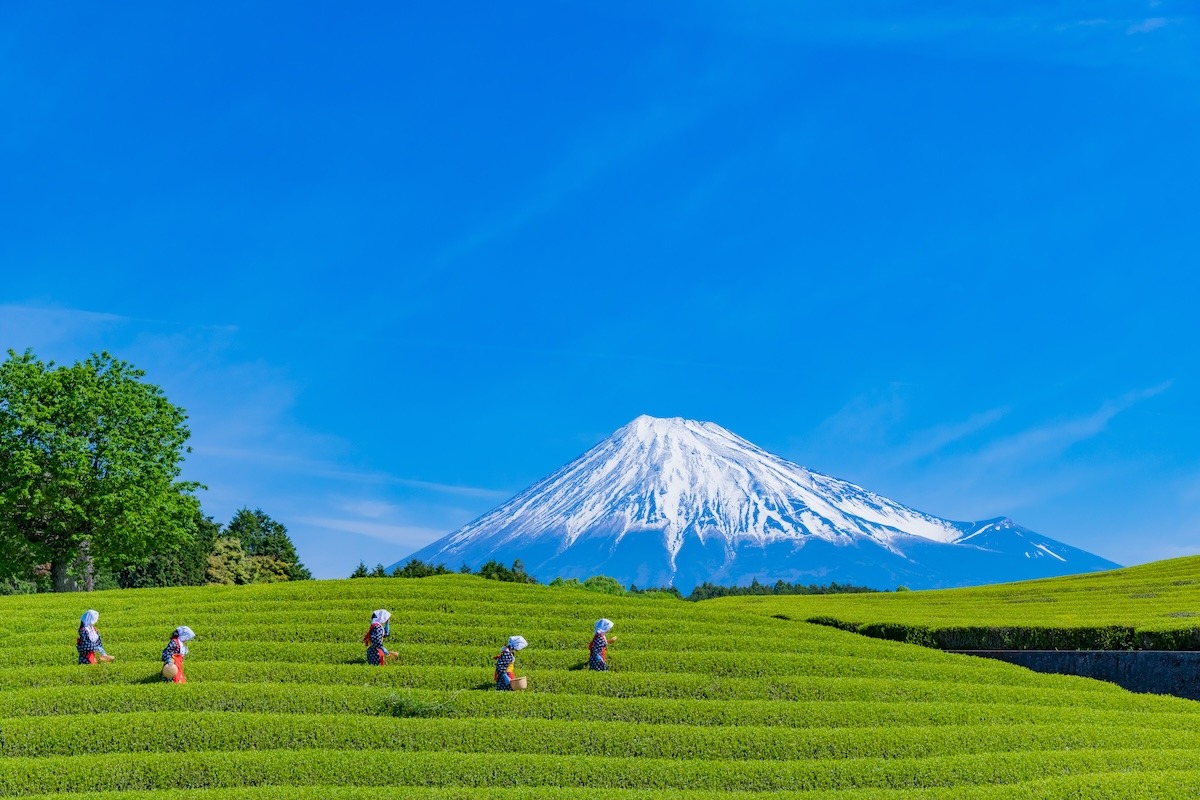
(679, 502)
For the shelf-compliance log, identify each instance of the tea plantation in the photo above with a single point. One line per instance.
(704, 700)
(1150, 607)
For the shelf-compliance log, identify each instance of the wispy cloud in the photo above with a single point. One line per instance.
(1051, 439)
(1147, 25)
(411, 537)
(297, 464)
(25, 326)
(1045, 33)
(867, 418)
(934, 440)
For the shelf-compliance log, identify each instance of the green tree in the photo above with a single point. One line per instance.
(360, 571)
(604, 584)
(90, 458)
(186, 565)
(496, 571)
(416, 568)
(263, 537)
(228, 563)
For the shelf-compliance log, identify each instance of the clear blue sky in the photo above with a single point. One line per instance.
(400, 260)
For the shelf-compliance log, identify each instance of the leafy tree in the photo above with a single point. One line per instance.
(360, 571)
(657, 592)
(265, 569)
(184, 566)
(494, 570)
(90, 458)
(603, 584)
(417, 568)
(706, 590)
(228, 563)
(378, 572)
(263, 537)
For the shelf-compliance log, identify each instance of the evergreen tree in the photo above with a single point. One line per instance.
(263, 537)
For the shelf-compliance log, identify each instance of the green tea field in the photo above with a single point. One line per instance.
(714, 699)
(1150, 607)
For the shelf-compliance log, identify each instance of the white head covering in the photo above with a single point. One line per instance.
(381, 616)
(88, 621)
(185, 634)
(517, 643)
(603, 625)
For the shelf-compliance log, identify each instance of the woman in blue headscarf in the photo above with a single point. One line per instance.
(173, 653)
(505, 662)
(89, 645)
(598, 652)
(380, 629)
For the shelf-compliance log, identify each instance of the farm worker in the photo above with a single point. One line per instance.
(380, 629)
(88, 644)
(505, 661)
(175, 650)
(598, 657)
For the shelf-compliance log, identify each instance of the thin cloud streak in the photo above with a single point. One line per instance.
(407, 535)
(1048, 440)
(932, 441)
(322, 469)
(1147, 25)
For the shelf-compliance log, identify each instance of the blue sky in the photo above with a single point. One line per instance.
(400, 261)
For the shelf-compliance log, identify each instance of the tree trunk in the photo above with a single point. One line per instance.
(89, 570)
(58, 571)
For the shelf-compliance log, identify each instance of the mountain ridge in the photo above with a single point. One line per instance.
(677, 502)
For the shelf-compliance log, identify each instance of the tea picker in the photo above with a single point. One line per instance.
(173, 653)
(379, 630)
(89, 645)
(505, 682)
(598, 651)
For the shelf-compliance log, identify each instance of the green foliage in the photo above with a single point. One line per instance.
(360, 571)
(712, 699)
(495, 571)
(707, 591)
(228, 564)
(267, 540)
(90, 458)
(185, 565)
(1137, 608)
(416, 568)
(604, 585)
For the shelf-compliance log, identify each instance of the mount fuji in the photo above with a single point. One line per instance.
(674, 502)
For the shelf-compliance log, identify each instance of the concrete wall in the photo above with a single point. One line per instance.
(1152, 671)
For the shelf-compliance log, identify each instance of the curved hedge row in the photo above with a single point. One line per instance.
(704, 700)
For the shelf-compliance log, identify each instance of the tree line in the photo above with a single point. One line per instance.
(494, 570)
(90, 490)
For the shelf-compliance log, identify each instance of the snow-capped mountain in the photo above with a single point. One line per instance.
(678, 502)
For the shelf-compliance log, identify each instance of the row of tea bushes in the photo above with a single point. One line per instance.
(704, 701)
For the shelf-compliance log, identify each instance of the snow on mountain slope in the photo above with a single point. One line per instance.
(678, 501)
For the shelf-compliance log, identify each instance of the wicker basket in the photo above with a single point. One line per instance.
(520, 684)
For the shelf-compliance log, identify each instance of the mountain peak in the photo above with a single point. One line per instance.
(677, 500)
